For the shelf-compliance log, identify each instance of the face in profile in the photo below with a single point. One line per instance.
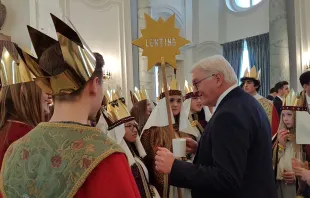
(307, 89)
(196, 105)
(131, 131)
(175, 104)
(285, 90)
(288, 118)
(148, 108)
(249, 87)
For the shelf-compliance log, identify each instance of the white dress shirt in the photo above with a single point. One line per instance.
(257, 96)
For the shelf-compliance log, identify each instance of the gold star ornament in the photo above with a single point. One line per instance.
(160, 39)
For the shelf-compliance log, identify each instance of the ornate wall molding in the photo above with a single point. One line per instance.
(167, 10)
(206, 49)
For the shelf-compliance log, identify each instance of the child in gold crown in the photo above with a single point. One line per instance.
(287, 148)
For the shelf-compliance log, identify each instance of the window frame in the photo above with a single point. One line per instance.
(232, 5)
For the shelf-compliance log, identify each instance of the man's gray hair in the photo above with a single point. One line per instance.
(217, 64)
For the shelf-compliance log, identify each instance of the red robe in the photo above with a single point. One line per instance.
(111, 178)
(15, 131)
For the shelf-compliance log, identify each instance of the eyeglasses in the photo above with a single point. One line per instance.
(196, 84)
(131, 126)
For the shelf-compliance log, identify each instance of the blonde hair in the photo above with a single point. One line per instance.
(217, 64)
(283, 126)
(20, 102)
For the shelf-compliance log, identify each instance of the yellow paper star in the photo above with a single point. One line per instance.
(160, 39)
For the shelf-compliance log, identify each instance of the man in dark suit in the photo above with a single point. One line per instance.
(233, 158)
(272, 94)
(282, 90)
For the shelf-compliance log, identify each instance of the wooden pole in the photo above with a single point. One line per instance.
(170, 126)
(163, 68)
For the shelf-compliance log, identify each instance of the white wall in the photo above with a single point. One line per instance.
(16, 21)
(234, 26)
(208, 20)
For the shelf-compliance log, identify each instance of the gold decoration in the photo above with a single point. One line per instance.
(12, 70)
(33, 66)
(173, 85)
(252, 73)
(117, 112)
(140, 94)
(291, 99)
(75, 51)
(160, 39)
(40, 41)
(187, 88)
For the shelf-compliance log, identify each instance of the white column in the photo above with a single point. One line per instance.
(302, 27)
(147, 78)
(278, 35)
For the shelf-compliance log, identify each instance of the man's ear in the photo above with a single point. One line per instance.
(219, 78)
(305, 86)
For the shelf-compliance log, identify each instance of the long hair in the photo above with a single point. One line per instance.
(20, 102)
(162, 137)
(283, 126)
(138, 111)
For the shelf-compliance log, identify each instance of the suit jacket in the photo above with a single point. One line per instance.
(270, 97)
(234, 156)
(277, 102)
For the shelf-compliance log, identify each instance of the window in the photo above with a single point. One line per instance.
(241, 5)
(245, 60)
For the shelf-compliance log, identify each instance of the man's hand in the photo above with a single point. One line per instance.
(191, 146)
(304, 174)
(164, 160)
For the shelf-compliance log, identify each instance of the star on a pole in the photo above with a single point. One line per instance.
(160, 39)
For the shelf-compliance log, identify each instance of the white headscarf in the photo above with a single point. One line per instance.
(117, 134)
(159, 118)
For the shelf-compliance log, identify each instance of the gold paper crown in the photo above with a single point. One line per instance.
(75, 53)
(187, 88)
(291, 100)
(111, 95)
(138, 95)
(40, 41)
(13, 70)
(116, 112)
(189, 91)
(173, 89)
(32, 65)
(252, 73)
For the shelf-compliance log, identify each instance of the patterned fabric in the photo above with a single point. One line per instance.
(268, 106)
(53, 160)
(171, 93)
